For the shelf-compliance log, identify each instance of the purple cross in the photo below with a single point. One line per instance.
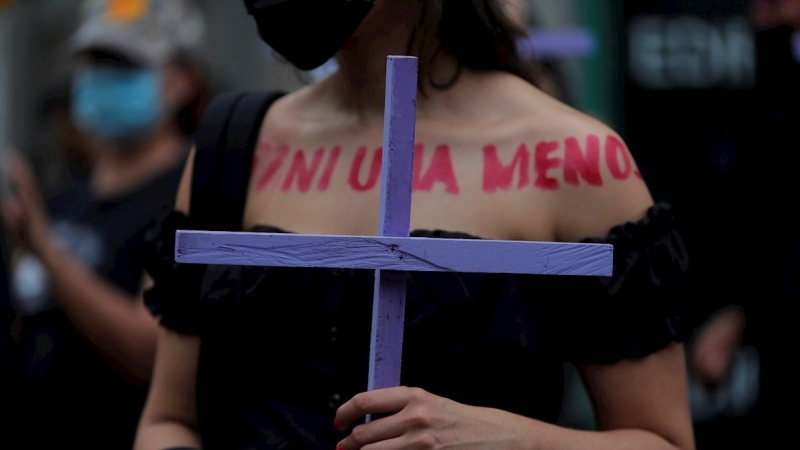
(393, 253)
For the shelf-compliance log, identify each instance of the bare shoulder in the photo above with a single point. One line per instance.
(585, 165)
(304, 112)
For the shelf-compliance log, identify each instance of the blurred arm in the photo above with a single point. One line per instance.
(116, 323)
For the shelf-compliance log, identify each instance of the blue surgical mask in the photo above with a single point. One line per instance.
(118, 104)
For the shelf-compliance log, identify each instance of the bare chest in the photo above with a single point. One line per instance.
(335, 189)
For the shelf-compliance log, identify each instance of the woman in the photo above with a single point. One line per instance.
(283, 360)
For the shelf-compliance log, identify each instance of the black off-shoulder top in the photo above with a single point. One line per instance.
(283, 348)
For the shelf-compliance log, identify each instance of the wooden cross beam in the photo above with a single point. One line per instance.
(393, 253)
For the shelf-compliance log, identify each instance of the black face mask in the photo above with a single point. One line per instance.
(308, 32)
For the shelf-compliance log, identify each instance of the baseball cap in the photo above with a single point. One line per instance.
(150, 32)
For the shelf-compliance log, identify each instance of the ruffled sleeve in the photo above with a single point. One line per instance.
(642, 308)
(175, 296)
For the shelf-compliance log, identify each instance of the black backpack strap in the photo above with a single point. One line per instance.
(225, 144)
(209, 144)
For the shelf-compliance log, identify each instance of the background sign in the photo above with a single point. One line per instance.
(685, 51)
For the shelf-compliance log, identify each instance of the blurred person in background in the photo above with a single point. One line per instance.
(86, 340)
(768, 271)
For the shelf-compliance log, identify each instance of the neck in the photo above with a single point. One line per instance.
(360, 82)
(120, 170)
(361, 79)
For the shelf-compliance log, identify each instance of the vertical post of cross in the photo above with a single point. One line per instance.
(388, 311)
